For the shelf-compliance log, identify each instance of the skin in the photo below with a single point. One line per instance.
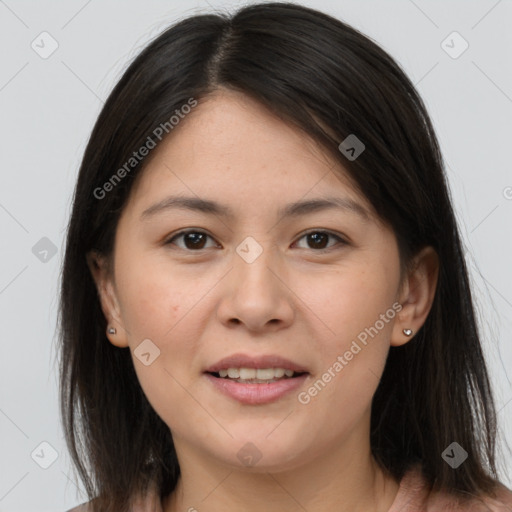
(200, 305)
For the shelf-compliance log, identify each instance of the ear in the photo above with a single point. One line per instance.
(103, 278)
(416, 295)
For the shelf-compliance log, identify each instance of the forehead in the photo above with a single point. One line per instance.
(231, 146)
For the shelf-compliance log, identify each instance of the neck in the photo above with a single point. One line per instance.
(342, 481)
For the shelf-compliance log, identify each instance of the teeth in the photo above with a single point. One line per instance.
(262, 374)
(247, 373)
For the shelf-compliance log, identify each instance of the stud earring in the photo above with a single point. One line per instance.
(112, 330)
(407, 332)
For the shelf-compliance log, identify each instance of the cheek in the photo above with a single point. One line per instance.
(154, 296)
(350, 301)
(357, 308)
(353, 353)
(157, 308)
(162, 303)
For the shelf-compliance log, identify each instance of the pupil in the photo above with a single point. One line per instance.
(190, 236)
(314, 238)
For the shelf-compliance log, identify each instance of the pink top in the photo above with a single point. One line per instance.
(413, 495)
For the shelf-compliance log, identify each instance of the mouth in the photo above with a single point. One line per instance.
(256, 380)
(256, 375)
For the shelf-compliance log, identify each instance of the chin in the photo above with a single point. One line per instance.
(262, 454)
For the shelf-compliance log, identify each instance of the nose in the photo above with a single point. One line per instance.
(256, 293)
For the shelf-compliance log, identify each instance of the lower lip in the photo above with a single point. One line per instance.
(253, 394)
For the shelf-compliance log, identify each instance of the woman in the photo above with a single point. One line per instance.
(264, 302)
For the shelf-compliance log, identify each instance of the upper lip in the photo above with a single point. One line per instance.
(256, 361)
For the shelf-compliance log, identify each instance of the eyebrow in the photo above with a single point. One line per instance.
(296, 209)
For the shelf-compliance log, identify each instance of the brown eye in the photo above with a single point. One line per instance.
(318, 240)
(192, 239)
(195, 240)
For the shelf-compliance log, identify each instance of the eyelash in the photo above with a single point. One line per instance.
(198, 231)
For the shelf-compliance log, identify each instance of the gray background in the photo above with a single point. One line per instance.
(48, 107)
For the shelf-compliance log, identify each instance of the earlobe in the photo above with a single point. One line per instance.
(416, 297)
(102, 277)
(116, 337)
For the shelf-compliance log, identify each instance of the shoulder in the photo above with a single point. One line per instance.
(415, 494)
(500, 502)
(504, 499)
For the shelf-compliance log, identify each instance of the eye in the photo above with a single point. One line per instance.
(319, 238)
(195, 239)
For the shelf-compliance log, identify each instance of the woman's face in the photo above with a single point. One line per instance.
(250, 283)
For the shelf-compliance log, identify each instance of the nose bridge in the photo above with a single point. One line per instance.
(256, 294)
(254, 256)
